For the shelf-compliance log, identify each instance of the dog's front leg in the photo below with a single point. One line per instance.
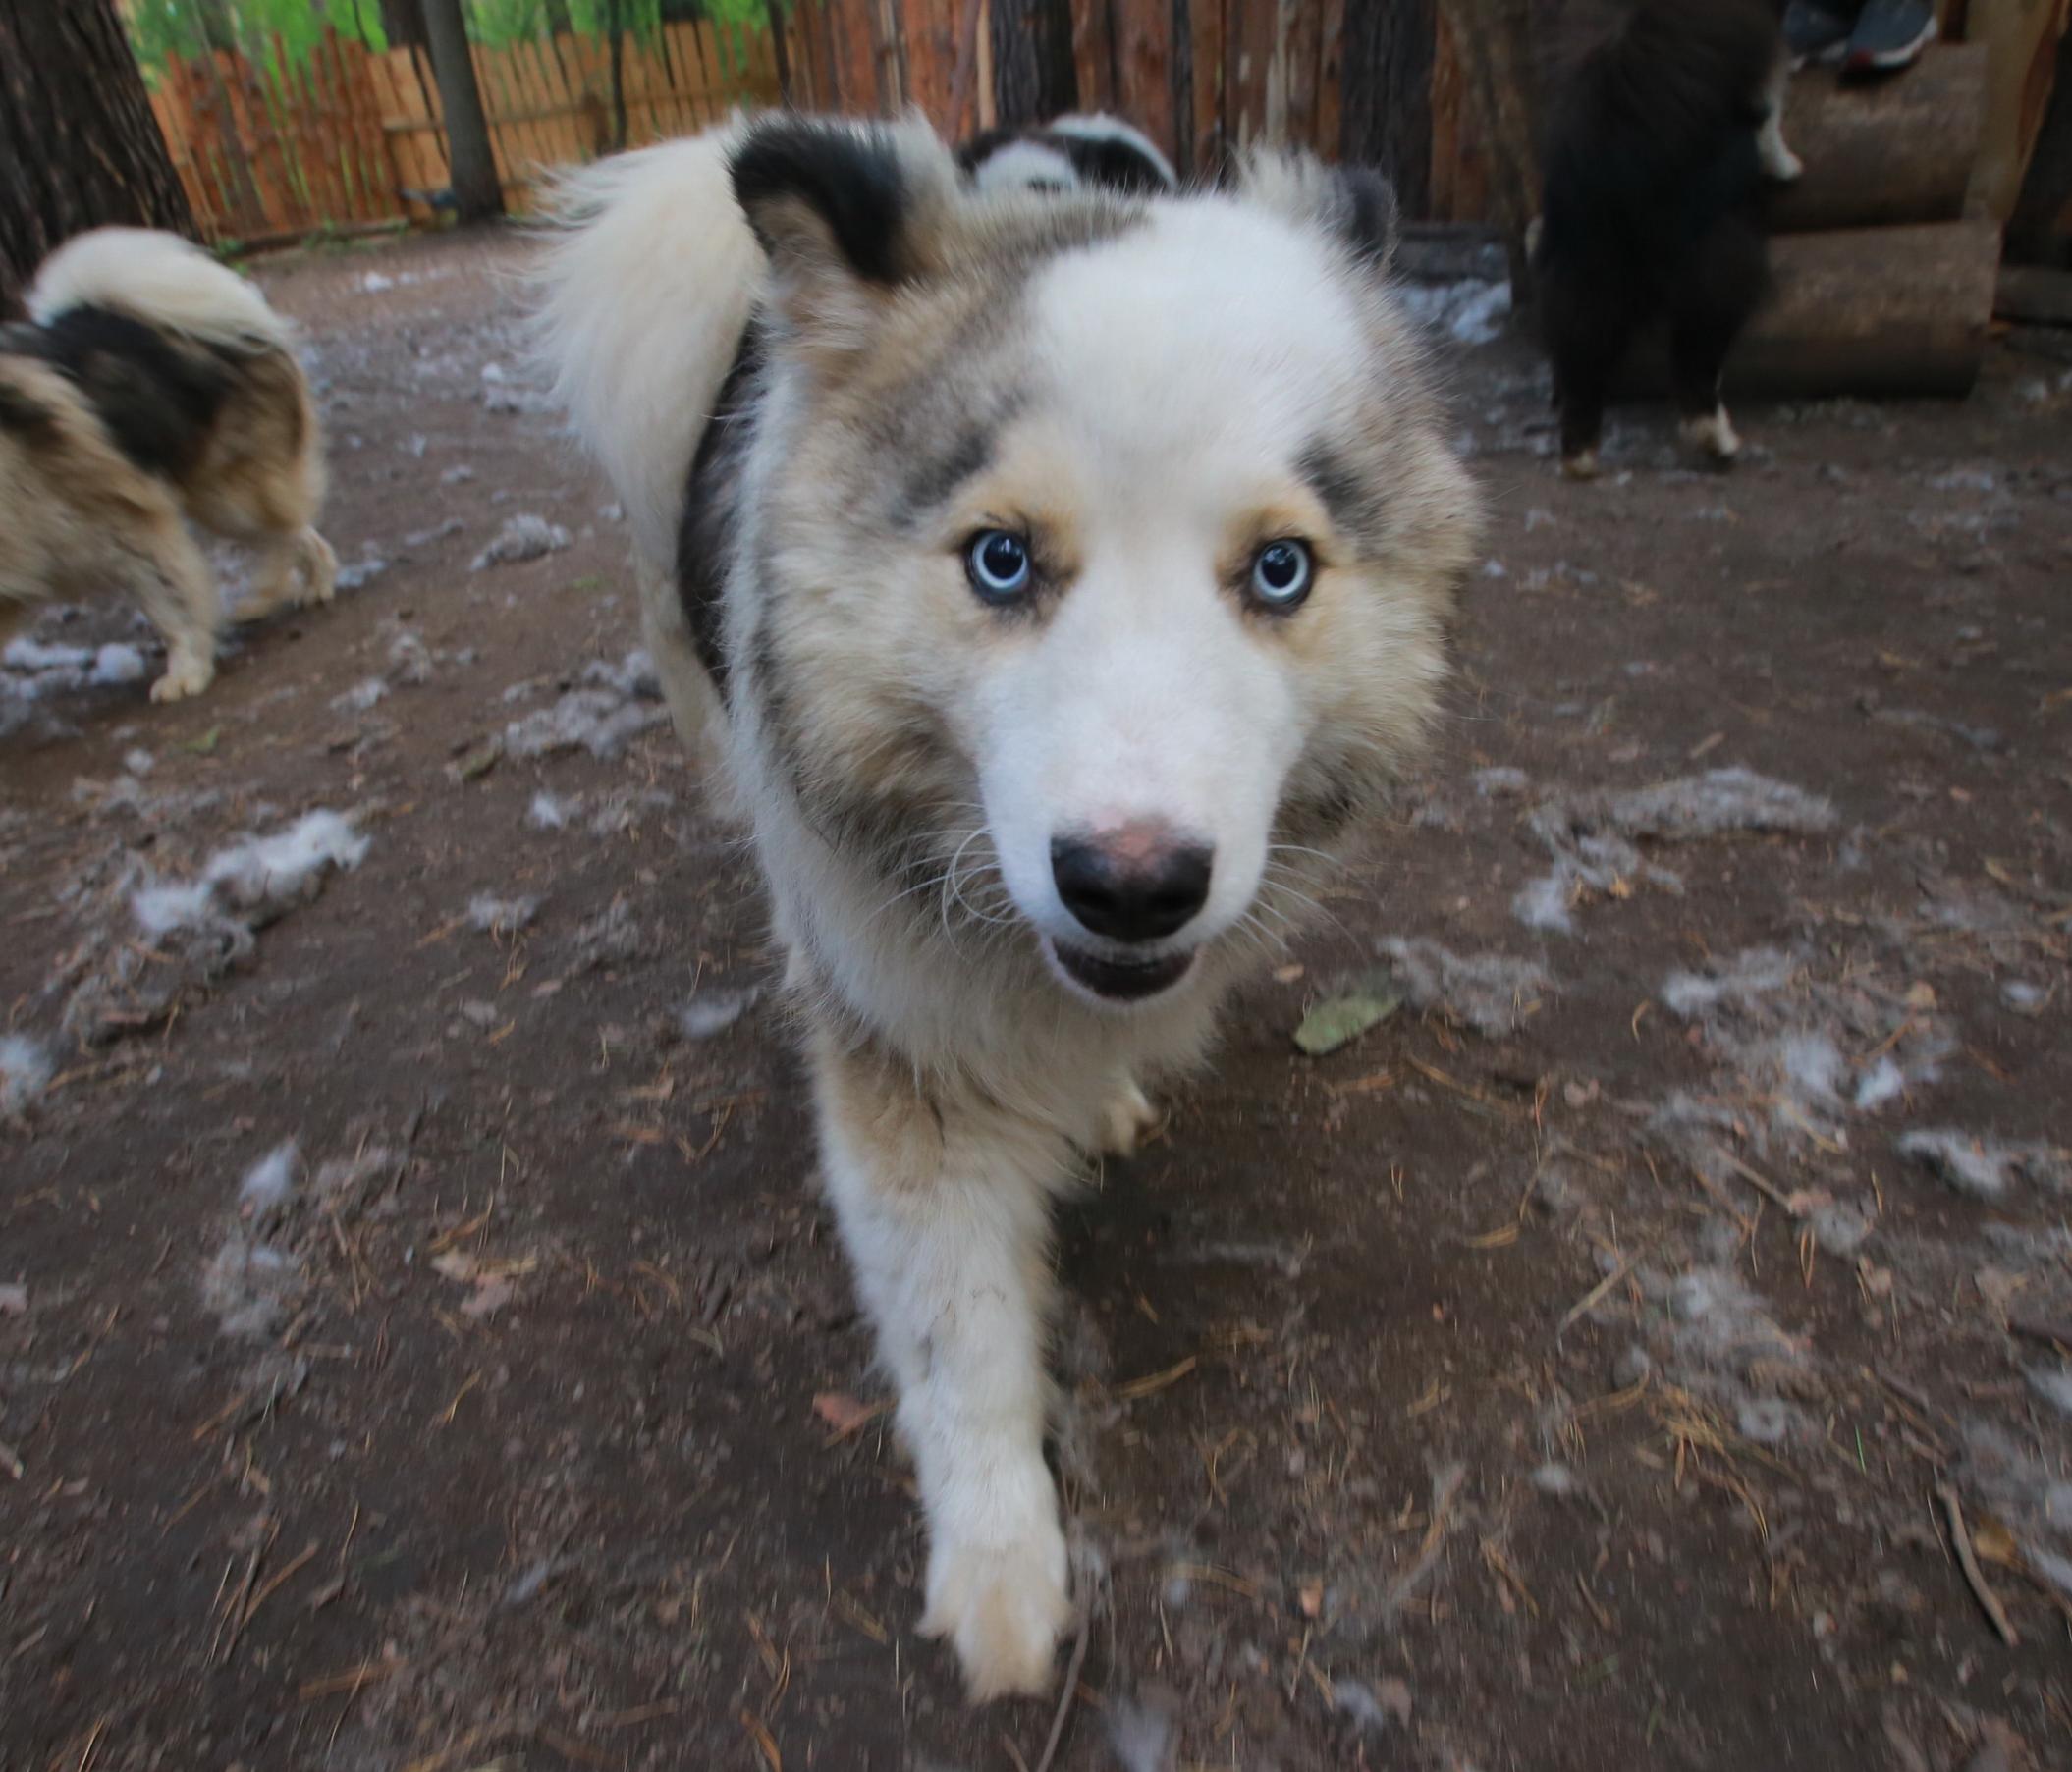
(1776, 160)
(944, 1205)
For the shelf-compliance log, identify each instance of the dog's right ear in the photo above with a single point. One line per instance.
(846, 212)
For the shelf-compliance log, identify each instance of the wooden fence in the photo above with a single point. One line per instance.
(272, 150)
(1204, 78)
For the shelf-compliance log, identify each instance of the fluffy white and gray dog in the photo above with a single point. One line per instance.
(154, 384)
(1062, 578)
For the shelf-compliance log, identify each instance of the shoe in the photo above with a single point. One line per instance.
(1818, 30)
(1889, 34)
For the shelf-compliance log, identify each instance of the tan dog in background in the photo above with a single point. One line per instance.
(154, 384)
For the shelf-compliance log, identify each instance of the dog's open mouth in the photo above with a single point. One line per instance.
(1120, 981)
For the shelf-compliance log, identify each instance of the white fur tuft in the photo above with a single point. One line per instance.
(644, 292)
(1025, 165)
(159, 279)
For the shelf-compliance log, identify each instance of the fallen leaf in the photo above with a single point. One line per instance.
(480, 760)
(456, 1265)
(204, 745)
(1997, 1287)
(1309, 1599)
(490, 1297)
(1341, 1020)
(1994, 1543)
(844, 1413)
(1288, 974)
(14, 1301)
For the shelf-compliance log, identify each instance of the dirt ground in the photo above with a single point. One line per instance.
(422, 1344)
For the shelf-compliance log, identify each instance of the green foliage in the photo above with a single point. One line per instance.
(499, 22)
(186, 27)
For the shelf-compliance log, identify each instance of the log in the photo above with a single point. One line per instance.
(1883, 152)
(1867, 311)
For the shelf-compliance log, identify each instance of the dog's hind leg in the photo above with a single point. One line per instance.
(1583, 378)
(1711, 299)
(295, 571)
(944, 1206)
(1585, 336)
(178, 592)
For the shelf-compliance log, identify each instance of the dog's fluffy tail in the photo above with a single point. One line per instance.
(163, 281)
(644, 292)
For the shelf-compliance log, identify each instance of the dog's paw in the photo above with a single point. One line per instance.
(319, 571)
(1128, 1120)
(1004, 1606)
(1779, 161)
(1715, 434)
(184, 677)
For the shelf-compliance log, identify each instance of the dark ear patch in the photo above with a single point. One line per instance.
(1354, 204)
(847, 180)
(1366, 218)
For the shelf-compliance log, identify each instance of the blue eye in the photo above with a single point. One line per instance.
(1282, 572)
(997, 561)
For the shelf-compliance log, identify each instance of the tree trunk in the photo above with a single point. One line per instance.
(403, 23)
(1033, 75)
(1493, 42)
(79, 145)
(554, 15)
(478, 196)
(1386, 97)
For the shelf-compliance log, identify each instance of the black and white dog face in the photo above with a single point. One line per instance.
(1069, 153)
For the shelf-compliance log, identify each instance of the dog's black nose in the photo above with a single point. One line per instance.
(1132, 885)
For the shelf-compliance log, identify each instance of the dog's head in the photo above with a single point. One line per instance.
(1103, 548)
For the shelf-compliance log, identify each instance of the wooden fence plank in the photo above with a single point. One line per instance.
(332, 82)
(1142, 67)
(1328, 135)
(1094, 54)
(1206, 81)
(267, 147)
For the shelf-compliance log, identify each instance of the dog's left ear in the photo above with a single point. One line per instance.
(846, 212)
(1354, 205)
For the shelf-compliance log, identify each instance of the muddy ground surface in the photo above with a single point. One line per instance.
(423, 1345)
